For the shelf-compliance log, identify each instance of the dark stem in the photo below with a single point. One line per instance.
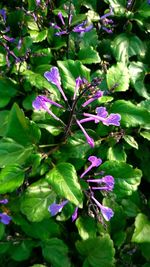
(73, 110)
(68, 29)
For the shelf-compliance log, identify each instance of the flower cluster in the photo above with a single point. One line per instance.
(42, 102)
(85, 93)
(4, 217)
(107, 23)
(105, 183)
(66, 27)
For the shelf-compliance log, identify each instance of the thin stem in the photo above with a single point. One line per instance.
(73, 110)
(68, 29)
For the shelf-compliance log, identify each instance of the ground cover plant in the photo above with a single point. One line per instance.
(74, 127)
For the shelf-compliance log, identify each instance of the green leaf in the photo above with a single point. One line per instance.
(3, 121)
(88, 55)
(12, 152)
(142, 229)
(54, 130)
(55, 252)
(35, 201)
(70, 70)
(2, 230)
(145, 134)
(145, 248)
(118, 74)
(41, 56)
(119, 6)
(39, 230)
(64, 181)
(3, 61)
(137, 71)
(40, 82)
(20, 128)
(131, 115)
(11, 177)
(86, 227)
(38, 36)
(127, 179)
(21, 251)
(99, 252)
(131, 141)
(7, 91)
(126, 45)
(116, 153)
(89, 39)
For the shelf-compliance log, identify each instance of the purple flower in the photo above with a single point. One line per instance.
(56, 208)
(95, 162)
(3, 14)
(148, 1)
(88, 138)
(106, 212)
(106, 22)
(107, 180)
(42, 102)
(79, 82)
(61, 33)
(83, 27)
(108, 30)
(61, 18)
(4, 218)
(53, 76)
(112, 119)
(97, 95)
(129, 3)
(110, 13)
(4, 201)
(75, 214)
(9, 39)
(38, 2)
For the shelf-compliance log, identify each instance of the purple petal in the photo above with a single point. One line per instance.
(61, 18)
(108, 180)
(38, 2)
(107, 14)
(9, 39)
(95, 161)
(42, 102)
(4, 218)
(106, 212)
(61, 33)
(53, 76)
(82, 27)
(112, 119)
(79, 82)
(97, 95)
(70, 18)
(3, 14)
(56, 208)
(75, 214)
(101, 112)
(90, 140)
(4, 201)
(107, 30)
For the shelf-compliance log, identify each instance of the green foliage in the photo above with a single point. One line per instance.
(97, 251)
(42, 159)
(11, 177)
(63, 179)
(35, 201)
(55, 251)
(142, 229)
